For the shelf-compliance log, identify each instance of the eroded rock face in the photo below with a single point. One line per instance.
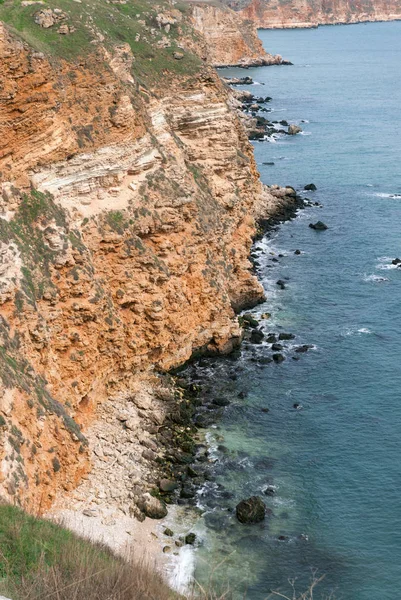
(270, 14)
(230, 39)
(128, 224)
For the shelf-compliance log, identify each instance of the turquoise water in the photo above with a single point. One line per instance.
(336, 464)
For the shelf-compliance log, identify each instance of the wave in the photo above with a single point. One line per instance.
(355, 331)
(375, 278)
(383, 195)
(182, 570)
(386, 267)
(305, 133)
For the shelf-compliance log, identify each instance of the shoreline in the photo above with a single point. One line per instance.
(107, 511)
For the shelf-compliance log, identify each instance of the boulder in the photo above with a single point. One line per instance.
(310, 187)
(178, 55)
(278, 357)
(297, 252)
(396, 261)
(319, 226)
(294, 129)
(286, 336)
(190, 538)
(152, 507)
(281, 284)
(303, 348)
(257, 336)
(167, 485)
(277, 347)
(252, 510)
(250, 320)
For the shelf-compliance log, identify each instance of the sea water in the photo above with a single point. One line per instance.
(334, 464)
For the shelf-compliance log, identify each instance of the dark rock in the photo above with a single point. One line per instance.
(242, 395)
(283, 538)
(286, 336)
(265, 410)
(167, 485)
(191, 472)
(277, 347)
(396, 261)
(168, 532)
(188, 491)
(319, 226)
(221, 401)
(303, 348)
(284, 122)
(297, 252)
(265, 360)
(310, 187)
(269, 491)
(250, 320)
(271, 338)
(281, 284)
(278, 358)
(270, 164)
(190, 538)
(297, 406)
(252, 510)
(257, 336)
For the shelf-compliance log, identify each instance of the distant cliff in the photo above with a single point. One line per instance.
(230, 39)
(271, 14)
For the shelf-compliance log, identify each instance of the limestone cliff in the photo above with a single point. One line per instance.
(128, 201)
(230, 39)
(270, 14)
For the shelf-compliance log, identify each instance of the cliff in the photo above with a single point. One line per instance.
(270, 14)
(229, 38)
(129, 194)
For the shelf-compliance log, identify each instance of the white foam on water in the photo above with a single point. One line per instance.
(388, 267)
(355, 331)
(375, 278)
(182, 570)
(305, 133)
(383, 195)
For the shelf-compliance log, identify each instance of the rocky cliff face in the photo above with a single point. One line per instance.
(269, 14)
(127, 210)
(230, 39)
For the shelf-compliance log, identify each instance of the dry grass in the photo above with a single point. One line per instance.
(40, 560)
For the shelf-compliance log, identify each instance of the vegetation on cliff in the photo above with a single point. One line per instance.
(75, 30)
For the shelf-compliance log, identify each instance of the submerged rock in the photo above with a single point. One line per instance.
(281, 284)
(304, 348)
(252, 510)
(278, 357)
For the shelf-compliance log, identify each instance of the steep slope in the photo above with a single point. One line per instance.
(230, 39)
(129, 197)
(269, 14)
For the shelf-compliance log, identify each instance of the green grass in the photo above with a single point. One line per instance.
(118, 23)
(39, 559)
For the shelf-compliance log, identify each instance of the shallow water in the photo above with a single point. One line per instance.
(335, 465)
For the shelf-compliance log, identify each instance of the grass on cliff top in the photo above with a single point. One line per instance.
(100, 21)
(39, 559)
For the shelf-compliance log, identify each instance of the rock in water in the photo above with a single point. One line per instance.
(310, 187)
(396, 261)
(319, 226)
(294, 129)
(252, 510)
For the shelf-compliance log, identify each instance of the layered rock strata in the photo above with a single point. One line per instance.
(230, 39)
(273, 14)
(126, 219)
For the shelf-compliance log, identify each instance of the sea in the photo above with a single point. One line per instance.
(318, 436)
